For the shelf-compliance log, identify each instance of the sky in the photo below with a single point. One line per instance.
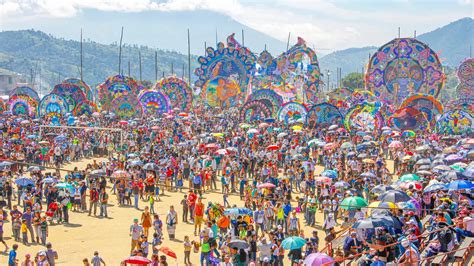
(327, 24)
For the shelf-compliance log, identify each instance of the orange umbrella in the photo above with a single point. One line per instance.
(223, 222)
(168, 252)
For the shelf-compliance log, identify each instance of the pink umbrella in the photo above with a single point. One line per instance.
(155, 127)
(266, 185)
(329, 146)
(211, 146)
(120, 174)
(395, 145)
(222, 152)
(318, 259)
(138, 260)
(123, 122)
(262, 125)
(323, 179)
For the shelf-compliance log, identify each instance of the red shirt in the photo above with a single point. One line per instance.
(199, 210)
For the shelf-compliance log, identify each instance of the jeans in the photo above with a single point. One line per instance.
(103, 209)
(205, 256)
(93, 204)
(135, 197)
(43, 237)
(65, 214)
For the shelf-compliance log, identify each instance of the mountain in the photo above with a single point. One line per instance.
(452, 43)
(29, 51)
(155, 29)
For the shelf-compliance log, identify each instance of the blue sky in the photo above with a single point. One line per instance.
(326, 24)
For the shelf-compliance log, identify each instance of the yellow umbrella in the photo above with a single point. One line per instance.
(297, 127)
(367, 160)
(378, 204)
(219, 135)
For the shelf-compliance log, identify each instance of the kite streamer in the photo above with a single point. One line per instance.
(154, 102)
(275, 99)
(127, 107)
(53, 105)
(178, 91)
(324, 114)
(293, 112)
(253, 111)
(455, 122)
(363, 117)
(402, 67)
(224, 74)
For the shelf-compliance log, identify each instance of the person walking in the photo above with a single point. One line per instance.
(103, 198)
(171, 222)
(51, 255)
(146, 220)
(93, 199)
(136, 231)
(28, 217)
(97, 260)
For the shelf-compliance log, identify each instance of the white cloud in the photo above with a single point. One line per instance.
(324, 23)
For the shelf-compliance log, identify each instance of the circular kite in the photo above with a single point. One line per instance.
(254, 110)
(24, 90)
(84, 87)
(363, 117)
(84, 108)
(178, 91)
(466, 72)
(22, 104)
(224, 74)
(427, 104)
(455, 122)
(126, 107)
(154, 102)
(275, 99)
(53, 105)
(408, 118)
(71, 92)
(402, 67)
(115, 87)
(293, 112)
(464, 91)
(324, 114)
(361, 96)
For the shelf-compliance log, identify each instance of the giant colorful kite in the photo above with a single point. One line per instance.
(84, 87)
(126, 106)
(154, 102)
(274, 98)
(72, 92)
(324, 114)
(254, 110)
(225, 73)
(23, 101)
(53, 105)
(293, 112)
(364, 117)
(455, 121)
(177, 90)
(402, 67)
(115, 87)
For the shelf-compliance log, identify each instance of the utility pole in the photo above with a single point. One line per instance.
(398, 32)
(172, 70)
(140, 64)
(120, 52)
(129, 68)
(189, 59)
(156, 66)
(288, 42)
(205, 49)
(81, 57)
(243, 39)
(414, 34)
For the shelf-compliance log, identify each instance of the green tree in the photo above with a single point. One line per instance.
(353, 80)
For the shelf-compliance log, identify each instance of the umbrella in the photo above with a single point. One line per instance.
(469, 172)
(459, 185)
(424, 167)
(346, 145)
(238, 244)
(5, 164)
(313, 142)
(218, 135)
(362, 155)
(168, 252)
(424, 172)
(33, 136)
(382, 205)
(323, 179)
(423, 161)
(60, 138)
(34, 168)
(369, 223)
(98, 172)
(394, 196)
(408, 134)
(273, 147)
(43, 142)
(65, 186)
(293, 242)
(49, 180)
(252, 131)
(411, 185)
(266, 185)
(390, 219)
(452, 158)
(138, 260)
(24, 181)
(422, 148)
(409, 177)
(282, 135)
(442, 168)
(368, 174)
(132, 155)
(263, 125)
(341, 184)
(379, 189)
(434, 187)
(369, 161)
(123, 122)
(244, 125)
(329, 146)
(330, 173)
(457, 168)
(135, 162)
(351, 203)
(238, 211)
(150, 167)
(211, 146)
(395, 144)
(120, 174)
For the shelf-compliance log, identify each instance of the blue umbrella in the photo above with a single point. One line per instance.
(32, 136)
(5, 164)
(238, 211)
(24, 181)
(459, 185)
(329, 173)
(434, 187)
(60, 138)
(368, 174)
(293, 242)
(135, 163)
(269, 120)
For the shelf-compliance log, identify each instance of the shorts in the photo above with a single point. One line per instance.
(149, 189)
(198, 220)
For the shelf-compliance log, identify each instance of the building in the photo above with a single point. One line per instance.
(10, 80)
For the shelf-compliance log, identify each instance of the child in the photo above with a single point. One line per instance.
(151, 200)
(155, 243)
(44, 230)
(158, 225)
(225, 195)
(144, 246)
(24, 231)
(187, 250)
(16, 224)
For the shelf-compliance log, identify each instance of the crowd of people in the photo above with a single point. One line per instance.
(390, 196)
